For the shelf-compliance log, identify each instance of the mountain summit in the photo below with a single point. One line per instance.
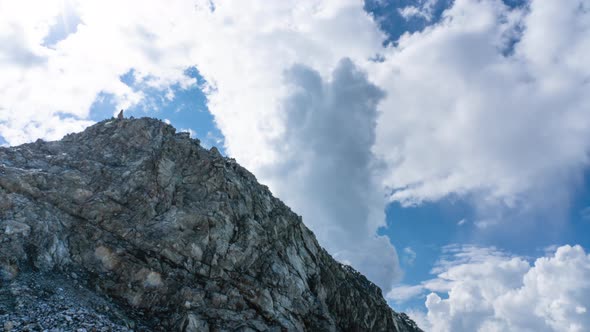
(132, 226)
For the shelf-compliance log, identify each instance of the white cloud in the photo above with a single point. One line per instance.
(461, 222)
(412, 11)
(489, 290)
(423, 10)
(469, 112)
(327, 168)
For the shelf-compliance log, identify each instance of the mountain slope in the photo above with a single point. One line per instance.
(177, 235)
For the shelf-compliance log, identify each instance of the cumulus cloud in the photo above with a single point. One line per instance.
(491, 102)
(484, 289)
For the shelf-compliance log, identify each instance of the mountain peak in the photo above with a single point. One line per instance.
(171, 235)
(140, 133)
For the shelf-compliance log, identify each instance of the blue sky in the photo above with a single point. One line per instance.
(454, 172)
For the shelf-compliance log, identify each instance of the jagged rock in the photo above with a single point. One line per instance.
(176, 235)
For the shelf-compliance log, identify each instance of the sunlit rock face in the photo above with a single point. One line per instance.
(173, 235)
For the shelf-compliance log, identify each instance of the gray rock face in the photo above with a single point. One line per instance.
(178, 236)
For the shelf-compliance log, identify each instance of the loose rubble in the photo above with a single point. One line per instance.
(53, 303)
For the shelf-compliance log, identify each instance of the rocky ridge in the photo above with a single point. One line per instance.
(150, 231)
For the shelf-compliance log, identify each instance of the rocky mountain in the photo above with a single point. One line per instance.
(132, 226)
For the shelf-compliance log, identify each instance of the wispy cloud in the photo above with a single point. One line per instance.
(409, 256)
(467, 98)
(422, 10)
(403, 293)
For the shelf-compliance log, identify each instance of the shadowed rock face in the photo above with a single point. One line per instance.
(177, 235)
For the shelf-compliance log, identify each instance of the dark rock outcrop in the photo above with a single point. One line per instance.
(175, 235)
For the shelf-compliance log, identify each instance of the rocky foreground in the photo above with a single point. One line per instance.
(132, 226)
